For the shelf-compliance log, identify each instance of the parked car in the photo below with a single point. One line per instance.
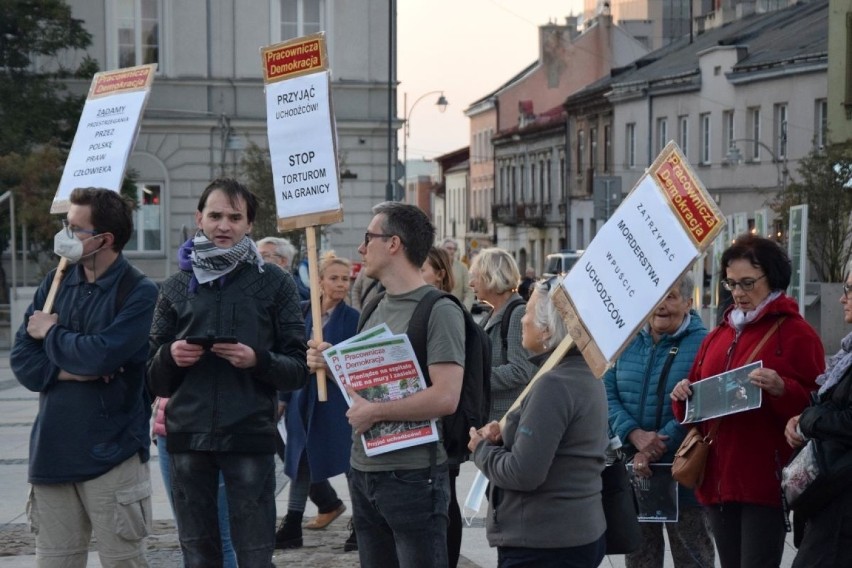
(560, 262)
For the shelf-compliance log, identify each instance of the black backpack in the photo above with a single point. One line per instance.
(504, 325)
(475, 399)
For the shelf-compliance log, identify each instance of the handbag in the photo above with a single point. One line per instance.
(690, 458)
(817, 474)
(620, 509)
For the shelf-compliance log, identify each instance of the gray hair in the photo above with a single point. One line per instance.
(282, 246)
(687, 286)
(497, 270)
(545, 314)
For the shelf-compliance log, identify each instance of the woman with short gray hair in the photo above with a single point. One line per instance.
(494, 276)
(545, 462)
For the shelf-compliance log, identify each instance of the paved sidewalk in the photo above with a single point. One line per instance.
(323, 548)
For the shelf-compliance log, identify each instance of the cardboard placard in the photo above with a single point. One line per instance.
(651, 240)
(106, 133)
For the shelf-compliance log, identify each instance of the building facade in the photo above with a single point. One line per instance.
(207, 102)
(529, 204)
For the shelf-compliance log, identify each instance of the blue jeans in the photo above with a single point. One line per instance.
(228, 554)
(403, 511)
(250, 485)
(584, 556)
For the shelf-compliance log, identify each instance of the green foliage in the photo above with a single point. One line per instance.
(37, 37)
(256, 170)
(826, 187)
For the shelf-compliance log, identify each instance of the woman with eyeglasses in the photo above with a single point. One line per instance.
(826, 540)
(741, 485)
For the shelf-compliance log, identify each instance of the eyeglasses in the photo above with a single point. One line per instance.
(846, 289)
(368, 236)
(268, 256)
(71, 231)
(746, 284)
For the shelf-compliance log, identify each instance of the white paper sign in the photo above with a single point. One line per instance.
(301, 144)
(629, 267)
(106, 132)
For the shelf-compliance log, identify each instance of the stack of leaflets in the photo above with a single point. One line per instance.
(380, 367)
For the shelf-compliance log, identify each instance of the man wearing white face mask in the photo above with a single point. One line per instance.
(88, 462)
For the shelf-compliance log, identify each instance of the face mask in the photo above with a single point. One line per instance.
(70, 247)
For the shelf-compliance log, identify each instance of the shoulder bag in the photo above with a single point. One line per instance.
(691, 457)
(620, 509)
(816, 475)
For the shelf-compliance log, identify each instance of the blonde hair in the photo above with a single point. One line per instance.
(497, 270)
(330, 259)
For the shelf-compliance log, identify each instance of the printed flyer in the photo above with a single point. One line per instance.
(722, 394)
(383, 369)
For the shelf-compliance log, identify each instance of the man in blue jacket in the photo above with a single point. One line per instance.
(227, 333)
(89, 445)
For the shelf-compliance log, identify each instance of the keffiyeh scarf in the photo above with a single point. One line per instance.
(210, 262)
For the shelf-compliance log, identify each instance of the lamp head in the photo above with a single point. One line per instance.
(442, 103)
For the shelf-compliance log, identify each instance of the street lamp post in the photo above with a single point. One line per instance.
(734, 157)
(441, 103)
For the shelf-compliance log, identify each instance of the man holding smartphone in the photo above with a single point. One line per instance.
(227, 334)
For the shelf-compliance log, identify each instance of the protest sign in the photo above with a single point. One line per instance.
(301, 132)
(303, 149)
(102, 144)
(106, 132)
(655, 236)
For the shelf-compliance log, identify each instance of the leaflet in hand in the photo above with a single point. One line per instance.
(722, 394)
(335, 362)
(382, 368)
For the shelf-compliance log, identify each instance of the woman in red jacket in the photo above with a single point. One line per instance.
(741, 486)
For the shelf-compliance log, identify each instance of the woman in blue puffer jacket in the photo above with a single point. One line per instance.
(640, 414)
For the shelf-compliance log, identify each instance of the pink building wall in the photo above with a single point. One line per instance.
(567, 63)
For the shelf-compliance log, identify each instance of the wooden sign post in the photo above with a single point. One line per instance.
(303, 149)
(106, 134)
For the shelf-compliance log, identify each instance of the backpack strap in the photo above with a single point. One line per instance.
(369, 309)
(128, 281)
(504, 326)
(418, 327)
(369, 289)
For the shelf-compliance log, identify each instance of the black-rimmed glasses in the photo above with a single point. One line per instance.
(746, 284)
(368, 236)
(71, 230)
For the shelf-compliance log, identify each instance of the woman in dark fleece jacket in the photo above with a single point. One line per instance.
(545, 464)
(741, 485)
